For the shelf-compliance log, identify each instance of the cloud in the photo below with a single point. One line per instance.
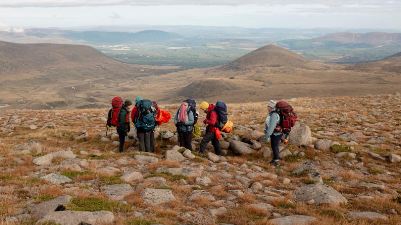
(77, 3)
(6, 28)
(115, 15)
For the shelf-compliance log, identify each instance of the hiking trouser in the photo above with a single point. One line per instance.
(274, 141)
(210, 136)
(121, 136)
(185, 139)
(144, 139)
(152, 141)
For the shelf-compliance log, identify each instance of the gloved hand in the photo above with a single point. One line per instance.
(180, 124)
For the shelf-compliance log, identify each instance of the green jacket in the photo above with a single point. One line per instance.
(123, 118)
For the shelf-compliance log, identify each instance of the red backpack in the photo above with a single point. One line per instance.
(114, 112)
(287, 117)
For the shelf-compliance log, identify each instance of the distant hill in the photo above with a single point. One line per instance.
(207, 88)
(388, 64)
(373, 38)
(271, 56)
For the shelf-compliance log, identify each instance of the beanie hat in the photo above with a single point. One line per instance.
(204, 105)
(127, 103)
(272, 104)
(138, 99)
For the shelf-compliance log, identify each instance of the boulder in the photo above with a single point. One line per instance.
(376, 140)
(261, 207)
(241, 148)
(284, 153)
(200, 194)
(393, 158)
(367, 215)
(218, 212)
(109, 171)
(186, 171)
(117, 192)
(157, 196)
(145, 159)
(205, 181)
(267, 153)
(132, 176)
(40, 210)
(78, 217)
(213, 157)
(256, 145)
(307, 168)
(320, 194)
(56, 178)
(224, 144)
(300, 135)
(174, 155)
(188, 154)
(292, 220)
(347, 136)
(252, 135)
(46, 160)
(323, 144)
(167, 135)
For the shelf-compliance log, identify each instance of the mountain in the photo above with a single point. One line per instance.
(373, 38)
(388, 64)
(272, 56)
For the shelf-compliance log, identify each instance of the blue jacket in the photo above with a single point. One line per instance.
(189, 121)
(272, 120)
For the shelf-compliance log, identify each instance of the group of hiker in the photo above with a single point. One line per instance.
(146, 115)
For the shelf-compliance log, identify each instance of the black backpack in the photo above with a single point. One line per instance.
(192, 104)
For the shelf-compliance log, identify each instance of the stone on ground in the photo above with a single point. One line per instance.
(157, 196)
(56, 178)
(292, 220)
(323, 144)
(320, 194)
(117, 192)
(367, 215)
(40, 210)
(132, 176)
(307, 168)
(241, 148)
(213, 157)
(78, 217)
(253, 135)
(174, 155)
(300, 135)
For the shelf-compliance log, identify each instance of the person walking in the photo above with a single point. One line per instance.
(184, 121)
(124, 127)
(142, 111)
(211, 120)
(271, 122)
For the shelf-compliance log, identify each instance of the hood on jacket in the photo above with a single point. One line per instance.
(211, 107)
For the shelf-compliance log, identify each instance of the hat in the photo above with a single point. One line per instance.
(138, 99)
(204, 105)
(272, 104)
(127, 103)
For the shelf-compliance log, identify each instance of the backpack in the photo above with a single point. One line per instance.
(287, 117)
(112, 118)
(146, 115)
(192, 104)
(221, 110)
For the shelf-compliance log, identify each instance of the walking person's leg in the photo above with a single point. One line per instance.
(121, 137)
(206, 139)
(216, 144)
(275, 140)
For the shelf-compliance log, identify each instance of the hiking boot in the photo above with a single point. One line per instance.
(274, 163)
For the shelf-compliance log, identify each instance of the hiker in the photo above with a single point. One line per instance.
(211, 120)
(271, 122)
(184, 121)
(124, 128)
(142, 111)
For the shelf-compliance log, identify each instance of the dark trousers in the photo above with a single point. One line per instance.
(275, 140)
(210, 136)
(152, 141)
(144, 140)
(185, 139)
(121, 136)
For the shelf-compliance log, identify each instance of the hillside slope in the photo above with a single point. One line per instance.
(388, 64)
(373, 38)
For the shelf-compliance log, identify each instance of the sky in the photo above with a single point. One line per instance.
(15, 15)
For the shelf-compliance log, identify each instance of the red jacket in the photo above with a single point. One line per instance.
(133, 113)
(211, 118)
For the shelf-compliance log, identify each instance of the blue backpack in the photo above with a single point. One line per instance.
(221, 110)
(146, 118)
(192, 104)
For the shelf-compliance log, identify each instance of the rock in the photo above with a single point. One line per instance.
(300, 135)
(157, 196)
(256, 145)
(157, 181)
(78, 217)
(285, 180)
(117, 192)
(261, 207)
(367, 215)
(167, 135)
(377, 156)
(40, 210)
(218, 212)
(200, 194)
(241, 148)
(33, 127)
(31, 146)
(267, 153)
(256, 187)
(292, 220)
(81, 135)
(252, 135)
(376, 140)
(49, 125)
(115, 143)
(224, 144)
(323, 144)
(56, 178)
(174, 155)
(284, 153)
(320, 193)
(186, 171)
(101, 134)
(213, 157)
(188, 154)
(261, 174)
(109, 171)
(145, 159)
(104, 139)
(234, 138)
(132, 176)
(342, 154)
(309, 169)
(46, 160)
(393, 158)
(348, 136)
(205, 181)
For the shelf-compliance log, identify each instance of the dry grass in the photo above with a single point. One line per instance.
(349, 175)
(164, 163)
